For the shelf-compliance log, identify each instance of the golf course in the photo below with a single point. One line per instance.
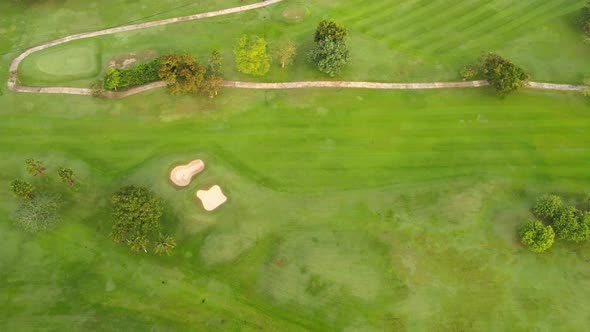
(334, 208)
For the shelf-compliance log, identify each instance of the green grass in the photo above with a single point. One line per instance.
(348, 210)
(400, 41)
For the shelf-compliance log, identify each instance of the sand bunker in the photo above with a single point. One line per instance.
(183, 174)
(211, 198)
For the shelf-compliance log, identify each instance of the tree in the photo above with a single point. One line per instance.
(136, 216)
(183, 73)
(251, 55)
(328, 29)
(330, 56)
(22, 189)
(165, 245)
(503, 75)
(548, 207)
(112, 79)
(39, 213)
(537, 236)
(285, 51)
(66, 175)
(215, 64)
(330, 53)
(34, 167)
(572, 225)
(213, 77)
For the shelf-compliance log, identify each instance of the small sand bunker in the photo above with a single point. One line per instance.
(296, 14)
(183, 174)
(211, 198)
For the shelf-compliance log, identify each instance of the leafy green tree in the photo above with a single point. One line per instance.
(66, 175)
(22, 189)
(503, 75)
(548, 207)
(34, 167)
(213, 77)
(39, 213)
(165, 245)
(112, 79)
(182, 72)
(285, 51)
(572, 225)
(330, 56)
(537, 236)
(136, 216)
(251, 55)
(215, 64)
(328, 29)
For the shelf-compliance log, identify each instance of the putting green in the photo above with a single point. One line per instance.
(72, 61)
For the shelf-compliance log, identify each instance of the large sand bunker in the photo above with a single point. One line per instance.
(211, 198)
(183, 174)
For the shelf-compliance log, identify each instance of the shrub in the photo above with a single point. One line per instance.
(66, 175)
(34, 167)
(251, 55)
(139, 74)
(39, 213)
(572, 225)
(468, 72)
(165, 245)
(22, 189)
(503, 75)
(537, 236)
(547, 207)
(136, 216)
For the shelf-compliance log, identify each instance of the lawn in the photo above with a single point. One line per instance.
(349, 210)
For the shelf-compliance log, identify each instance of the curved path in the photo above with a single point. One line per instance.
(13, 85)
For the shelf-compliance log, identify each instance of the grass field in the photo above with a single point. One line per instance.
(349, 210)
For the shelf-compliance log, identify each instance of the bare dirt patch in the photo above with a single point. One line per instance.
(125, 61)
(296, 14)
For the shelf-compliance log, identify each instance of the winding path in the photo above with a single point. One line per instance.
(13, 85)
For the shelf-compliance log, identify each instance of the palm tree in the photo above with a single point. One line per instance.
(165, 245)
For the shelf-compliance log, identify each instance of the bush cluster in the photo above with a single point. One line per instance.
(566, 222)
(136, 221)
(139, 74)
(38, 210)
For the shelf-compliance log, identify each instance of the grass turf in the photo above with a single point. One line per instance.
(348, 209)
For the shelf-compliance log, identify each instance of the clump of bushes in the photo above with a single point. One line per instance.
(330, 52)
(562, 221)
(136, 220)
(141, 73)
(38, 210)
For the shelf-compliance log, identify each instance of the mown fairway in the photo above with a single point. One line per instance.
(348, 210)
